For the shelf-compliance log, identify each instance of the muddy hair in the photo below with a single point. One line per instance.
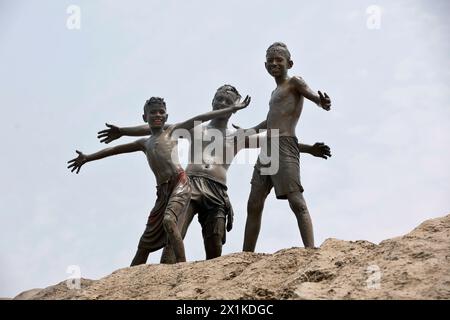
(279, 47)
(154, 101)
(228, 89)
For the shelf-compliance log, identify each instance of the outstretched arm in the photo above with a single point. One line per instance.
(114, 132)
(249, 138)
(322, 100)
(319, 149)
(77, 163)
(247, 142)
(253, 130)
(189, 124)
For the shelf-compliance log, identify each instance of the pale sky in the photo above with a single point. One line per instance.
(388, 127)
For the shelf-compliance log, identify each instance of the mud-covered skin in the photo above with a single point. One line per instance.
(213, 164)
(285, 108)
(162, 155)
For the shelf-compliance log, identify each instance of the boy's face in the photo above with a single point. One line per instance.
(155, 115)
(277, 64)
(223, 100)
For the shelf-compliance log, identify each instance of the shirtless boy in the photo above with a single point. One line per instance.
(285, 108)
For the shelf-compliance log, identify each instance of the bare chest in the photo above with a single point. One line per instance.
(160, 146)
(213, 146)
(284, 102)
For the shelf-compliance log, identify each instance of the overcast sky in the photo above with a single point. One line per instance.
(388, 127)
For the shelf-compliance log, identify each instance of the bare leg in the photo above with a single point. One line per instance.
(298, 205)
(140, 257)
(213, 242)
(174, 235)
(255, 206)
(168, 255)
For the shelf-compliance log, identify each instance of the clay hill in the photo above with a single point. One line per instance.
(414, 266)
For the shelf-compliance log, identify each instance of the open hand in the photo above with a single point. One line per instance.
(77, 162)
(242, 105)
(325, 101)
(321, 150)
(110, 134)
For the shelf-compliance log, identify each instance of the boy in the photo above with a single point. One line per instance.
(285, 108)
(174, 191)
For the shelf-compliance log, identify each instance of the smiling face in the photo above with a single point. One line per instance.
(277, 64)
(155, 115)
(278, 60)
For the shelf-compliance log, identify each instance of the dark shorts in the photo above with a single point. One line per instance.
(211, 201)
(287, 179)
(172, 199)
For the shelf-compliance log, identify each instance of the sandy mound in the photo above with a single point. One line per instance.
(414, 266)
